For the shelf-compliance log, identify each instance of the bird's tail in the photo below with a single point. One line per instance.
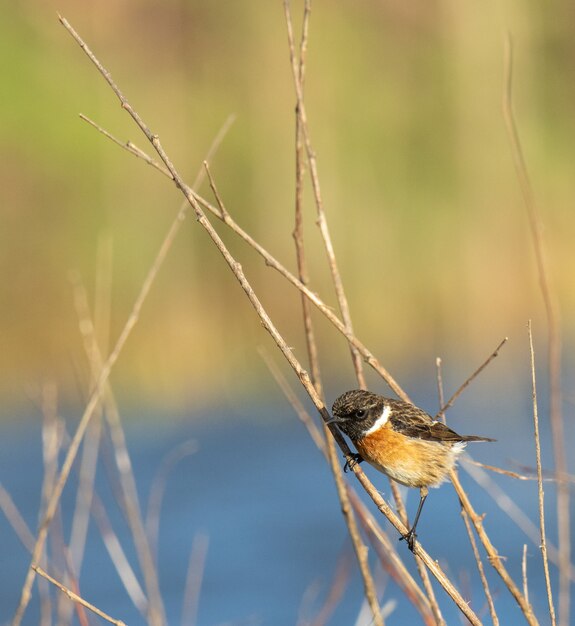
(476, 438)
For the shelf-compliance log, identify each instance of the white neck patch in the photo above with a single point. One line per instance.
(380, 421)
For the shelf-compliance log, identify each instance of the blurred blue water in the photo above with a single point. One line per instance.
(263, 495)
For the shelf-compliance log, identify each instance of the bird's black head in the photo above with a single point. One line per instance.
(356, 411)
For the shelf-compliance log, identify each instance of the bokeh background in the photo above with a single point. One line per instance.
(405, 109)
(404, 102)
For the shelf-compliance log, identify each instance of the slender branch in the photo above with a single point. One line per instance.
(383, 546)
(76, 598)
(553, 339)
(359, 547)
(480, 568)
(540, 492)
(440, 393)
(471, 378)
(512, 510)
(272, 262)
(321, 217)
(492, 554)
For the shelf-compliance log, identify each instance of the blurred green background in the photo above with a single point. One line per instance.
(404, 103)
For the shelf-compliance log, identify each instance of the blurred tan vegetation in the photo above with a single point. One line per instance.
(404, 101)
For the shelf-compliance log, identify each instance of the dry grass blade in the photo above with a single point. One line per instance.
(76, 598)
(540, 492)
(553, 341)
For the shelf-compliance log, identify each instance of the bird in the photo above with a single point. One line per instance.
(400, 440)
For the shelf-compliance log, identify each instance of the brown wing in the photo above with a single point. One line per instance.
(410, 421)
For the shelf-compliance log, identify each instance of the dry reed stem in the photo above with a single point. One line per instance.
(464, 514)
(492, 554)
(512, 510)
(540, 492)
(303, 139)
(312, 162)
(480, 568)
(499, 470)
(524, 573)
(334, 595)
(391, 562)
(359, 547)
(439, 378)
(118, 557)
(91, 446)
(553, 339)
(193, 585)
(388, 555)
(76, 598)
(269, 326)
(127, 481)
(87, 415)
(16, 520)
(157, 489)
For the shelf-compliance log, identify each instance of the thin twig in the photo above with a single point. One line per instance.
(152, 520)
(498, 470)
(492, 554)
(540, 492)
(118, 557)
(471, 378)
(553, 339)
(76, 598)
(272, 262)
(337, 587)
(270, 327)
(512, 510)
(480, 568)
(321, 217)
(359, 547)
(440, 394)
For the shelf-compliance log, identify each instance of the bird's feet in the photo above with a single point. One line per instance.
(410, 538)
(355, 458)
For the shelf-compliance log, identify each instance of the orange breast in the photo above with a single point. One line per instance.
(412, 462)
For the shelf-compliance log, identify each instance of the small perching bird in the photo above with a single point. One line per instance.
(400, 440)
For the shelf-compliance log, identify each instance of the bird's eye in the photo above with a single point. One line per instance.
(359, 413)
